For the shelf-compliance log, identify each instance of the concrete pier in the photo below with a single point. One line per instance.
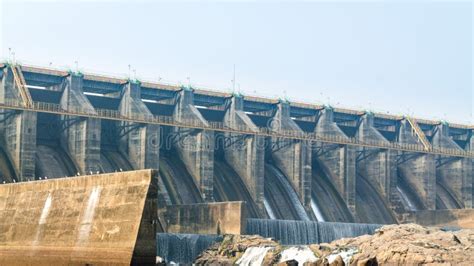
(195, 146)
(83, 111)
(140, 141)
(419, 169)
(246, 154)
(340, 159)
(81, 136)
(19, 130)
(293, 157)
(377, 165)
(454, 173)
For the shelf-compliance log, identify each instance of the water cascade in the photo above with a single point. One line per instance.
(229, 187)
(88, 216)
(183, 248)
(300, 254)
(291, 232)
(178, 182)
(43, 217)
(316, 211)
(281, 196)
(268, 208)
(330, 231)
(371, 207)
(287, 232)
(405, 200)
(330, 203)
(346, 256)
(253, 256)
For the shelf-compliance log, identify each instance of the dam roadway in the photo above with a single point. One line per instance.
(286, 160)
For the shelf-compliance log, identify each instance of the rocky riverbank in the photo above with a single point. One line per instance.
(407, 244)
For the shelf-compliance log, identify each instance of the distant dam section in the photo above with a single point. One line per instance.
(285, 160)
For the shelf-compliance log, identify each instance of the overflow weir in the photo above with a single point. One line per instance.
(284, 160)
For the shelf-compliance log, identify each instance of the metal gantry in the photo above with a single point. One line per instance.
(21, 86)
(107, 114)
(419, 133)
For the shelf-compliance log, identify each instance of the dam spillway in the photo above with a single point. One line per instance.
(285, 160)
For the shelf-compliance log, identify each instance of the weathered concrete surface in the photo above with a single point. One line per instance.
(141, 143)
(246, 154)
(455, 174)
(378, 165)
(293, 157)
(207, 218)
(72, 221)
(195, 147)
(19, 129)
(453, 218)
(339, 159)
(81, 136)
(418, 170)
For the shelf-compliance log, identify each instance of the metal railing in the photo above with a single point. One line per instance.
(219, 126)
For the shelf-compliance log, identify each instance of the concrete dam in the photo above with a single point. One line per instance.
(286, 161)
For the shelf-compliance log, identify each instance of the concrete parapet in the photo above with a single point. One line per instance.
(339, 159)
(87, 220)
(246, 153)
(377, 165)
(80, 135)
(418, 169)
(454, 173)
(19, 130)
(195, 146)
(293, 157)
(140, 141)
(207, 218)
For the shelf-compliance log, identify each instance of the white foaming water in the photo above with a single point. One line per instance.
(43, 217)
(317, 211)
(88, 217)
(45, 211)
(406, 200)
(300, 254)
(268, 208)
(253, 256)
(346, 256)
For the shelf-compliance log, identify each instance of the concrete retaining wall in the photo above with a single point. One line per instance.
(207, 218)
(72, 221)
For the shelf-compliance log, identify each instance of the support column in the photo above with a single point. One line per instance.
(419, 169)
(378, 165)
(195, 146)
(339, 159)
(81, 135)
(470, 147)
(454, 173)
(19, 129)
(141, 142)
(246, 154)
(293, 157)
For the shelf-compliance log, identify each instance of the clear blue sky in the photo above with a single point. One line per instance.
(403, 58)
